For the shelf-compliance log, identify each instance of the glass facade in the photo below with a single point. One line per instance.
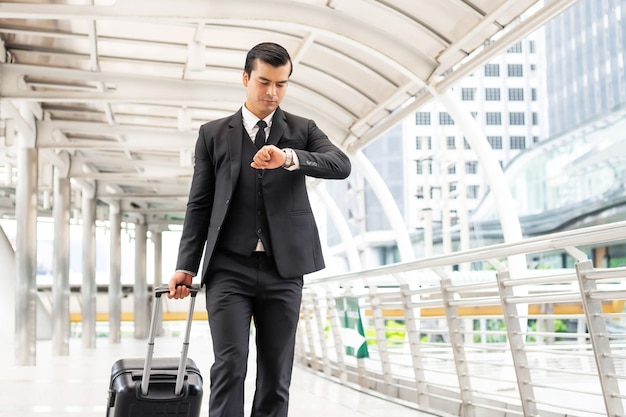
(586, 64)
(577, 176)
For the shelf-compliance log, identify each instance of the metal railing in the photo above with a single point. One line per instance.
(478, 343)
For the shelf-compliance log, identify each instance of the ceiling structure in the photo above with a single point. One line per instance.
(113, 92)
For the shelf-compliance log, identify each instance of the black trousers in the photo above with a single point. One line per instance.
(240, 290)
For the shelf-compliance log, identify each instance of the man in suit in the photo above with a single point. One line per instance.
(249, 209)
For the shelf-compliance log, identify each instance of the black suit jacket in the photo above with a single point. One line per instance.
(293, 232)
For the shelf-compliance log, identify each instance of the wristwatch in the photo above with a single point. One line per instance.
(288, 157)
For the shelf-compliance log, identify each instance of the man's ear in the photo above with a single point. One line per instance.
(244, 79)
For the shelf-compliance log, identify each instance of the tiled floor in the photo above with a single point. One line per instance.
(76, 385)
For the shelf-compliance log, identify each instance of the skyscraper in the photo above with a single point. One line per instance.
(585, 68)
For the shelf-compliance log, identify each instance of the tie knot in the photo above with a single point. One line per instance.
(261, 124)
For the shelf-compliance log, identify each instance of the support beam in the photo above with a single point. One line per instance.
(88, 289)
(509, 219)
(115, 275)
(140, 288)
(388, 204)
(26, 253)
(61, 266)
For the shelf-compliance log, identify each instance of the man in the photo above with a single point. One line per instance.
(249, 209)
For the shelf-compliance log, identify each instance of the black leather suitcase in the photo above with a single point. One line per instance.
(157, 386)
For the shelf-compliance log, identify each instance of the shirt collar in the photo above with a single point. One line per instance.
(250, 120)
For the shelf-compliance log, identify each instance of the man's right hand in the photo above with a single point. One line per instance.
(178, 285)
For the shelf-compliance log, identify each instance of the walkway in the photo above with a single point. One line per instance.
(77, 385)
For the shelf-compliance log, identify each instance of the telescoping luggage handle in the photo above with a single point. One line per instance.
(180, 377)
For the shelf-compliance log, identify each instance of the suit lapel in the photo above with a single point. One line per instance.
(234, 137)
(278, 127)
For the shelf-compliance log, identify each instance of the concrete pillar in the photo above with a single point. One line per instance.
(88, 289)
(157, 241)
(61, 266)
(140, 287)
(7, 306)
(115, 273)
(26, 257)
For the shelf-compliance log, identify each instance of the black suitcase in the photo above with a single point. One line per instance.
(157, 386)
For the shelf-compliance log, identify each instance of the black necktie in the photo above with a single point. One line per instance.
(259, 139)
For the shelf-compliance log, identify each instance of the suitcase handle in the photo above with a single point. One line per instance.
(164, 289)
(180, 377)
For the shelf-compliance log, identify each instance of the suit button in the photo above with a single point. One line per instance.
(227, 201)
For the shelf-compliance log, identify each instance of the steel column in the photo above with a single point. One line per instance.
(157, 242)
(115, 281)
(88, 289)
(7, 306)
(26, 257)
(140, 287)
(61, 266)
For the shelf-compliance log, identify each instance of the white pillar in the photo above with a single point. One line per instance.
(115, 273)
(507, 212)
(26, 257)
(88, 289)
(61, 266)
(140, 287)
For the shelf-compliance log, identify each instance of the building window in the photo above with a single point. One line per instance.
(493, 118)
(471, 167)
(533, 94)
(532, 47)
(420, 168)
(451, 142)
(465, 144)
(535, 118)
(492, 70)
(422, 118)
(452, 169)
(516, 118)
(495, 142)
(535, 139)
(516, 94)
(423, 142)
(452, 188)
(474, 114)
(518, 142)
(445, 119)
(472, 192)
(492, 94)
(515, 70)
(467, 94)
(419, 193)
(515, 49)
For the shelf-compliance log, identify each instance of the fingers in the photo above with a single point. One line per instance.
(178, 285)
(266, 158)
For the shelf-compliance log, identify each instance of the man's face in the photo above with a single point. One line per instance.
(266, 87)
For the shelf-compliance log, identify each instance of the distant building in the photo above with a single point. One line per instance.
(585, 69)
(505, 98)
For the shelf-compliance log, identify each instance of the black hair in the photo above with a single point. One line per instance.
(269, 52)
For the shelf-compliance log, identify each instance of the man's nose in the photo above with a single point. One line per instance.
(271, 90)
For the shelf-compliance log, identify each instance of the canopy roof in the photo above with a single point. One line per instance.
(118, 90)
